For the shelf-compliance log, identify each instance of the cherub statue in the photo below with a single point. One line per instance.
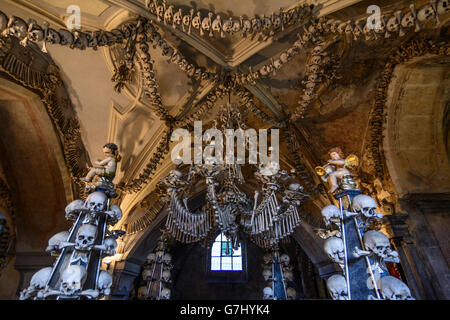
(336, 171)
(105, 168)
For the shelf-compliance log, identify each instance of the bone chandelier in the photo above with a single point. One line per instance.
(227, 207)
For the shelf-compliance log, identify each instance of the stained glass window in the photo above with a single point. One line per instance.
(223, 257)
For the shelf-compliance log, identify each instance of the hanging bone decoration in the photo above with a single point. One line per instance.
(156, 272)
(76, 272)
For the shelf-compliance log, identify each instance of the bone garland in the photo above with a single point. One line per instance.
(396, 24)
(245, 95)
(143, 222)
(319, 67)
(163, 148)
(150, 84)
(175, 56)
(301, 171)
(31, 31)
(212, 25)
(406, 52)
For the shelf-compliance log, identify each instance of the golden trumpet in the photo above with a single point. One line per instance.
(320, 171)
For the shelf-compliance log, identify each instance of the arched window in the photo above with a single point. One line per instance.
(223, 257)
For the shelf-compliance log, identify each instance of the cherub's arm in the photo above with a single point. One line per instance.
(339, 162)
(103, 162)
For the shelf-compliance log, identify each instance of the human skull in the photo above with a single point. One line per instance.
(316, 59)
(165, 294)
(115, 213)
(426, 13)
(178, 17)
(104, 282)
(159, 255)
(246, 25)
(228, 25)
(168, 15)
(266, 23)
(267, 273)
(288, 275)
(443, 7)
(72, 279)
(142, 293)
(206, 23)
(165, 276)
(313, 68)
(86, 236)
(147, 274)
(295, 187)
(53, 242)
(196, 21)
(268, 293)
(365, 205)
(39, 279)
(267, 258)
(256, 24)
(74, 206)
(96, 201)
(277, 64)
(284, 57)
(217, 24)
(392, 24)
(334, 248)
(378, 243)
(394, 289)
(317, 50)
(337, 286)
(284, 259)
(408, 20)
(329, 213)
(111, 245)
(166, 258)
(291, 293)
(236, 26)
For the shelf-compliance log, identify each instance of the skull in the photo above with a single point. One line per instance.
(378, 243)
(217, 24)
(277, 64)
(394, 289)
(330, 213)
(115, 213)
(365, 205)
(313, 68)
(104, 282)
(167, 258)
(291, 293)
(317, 50)
(166, 276)
(334, 247)
(178, 17)
(392, 24)
(53, 242)
(39, 279)
(159, 255)
(267, 273)
(72, 279)
(74, 206)
(408, 20)
(96, 201)
(267, 23)
(295, 187)
(236, 26)
(337, 286)
(443, 7)
(284, 259)
(256, 24)
(228, 25)
(268, 258)
(284, 57)
(206, 23)
(165, 294)
(147, 274)
(426, 13)
(197, 21)
(316, 59)
(86, 236)
(151, 258)
(53, 36)
(111, 245)
(246, 25)
(168, 15)
(142, 293)
(268, 293)
(288, 275)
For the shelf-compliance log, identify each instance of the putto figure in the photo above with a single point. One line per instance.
(105, 168)
(336, 171)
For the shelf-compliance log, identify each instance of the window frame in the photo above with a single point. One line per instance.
(236, 276)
